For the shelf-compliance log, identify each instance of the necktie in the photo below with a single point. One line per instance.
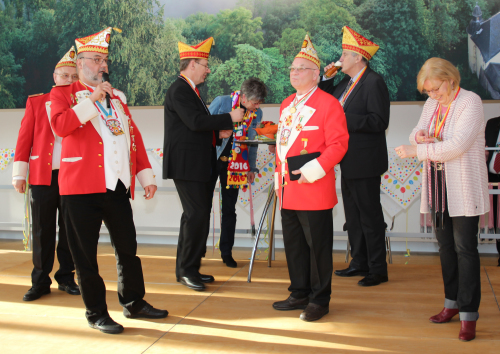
(347, 88)
(496, 164)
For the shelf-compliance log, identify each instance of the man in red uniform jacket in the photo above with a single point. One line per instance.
(102, 152)
(38, 147)
(310, 121)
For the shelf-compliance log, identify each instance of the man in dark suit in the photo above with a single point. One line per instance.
(189, 158)
(493, 140)
(365, 99)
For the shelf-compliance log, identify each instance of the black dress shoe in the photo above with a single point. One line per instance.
(192, 283)
(314, 312)
(36, 292)
(351, 272)
(147, 311)
(205, 278)
(230, 262)
(291, 304)
(107, 325)
(70, 287)
(373, 279)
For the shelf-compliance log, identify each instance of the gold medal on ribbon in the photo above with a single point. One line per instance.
(293, 110)
(304, 151)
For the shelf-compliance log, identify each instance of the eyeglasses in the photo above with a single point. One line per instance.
(432, 92)
(300, 70)
(98, 61)
(206, 66)
(67, 76)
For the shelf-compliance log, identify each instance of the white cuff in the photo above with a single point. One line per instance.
(20, 169)
(15, 178)
(327, 78)
(276, 181)
(85, 110)
(312, 171)
(146, 177)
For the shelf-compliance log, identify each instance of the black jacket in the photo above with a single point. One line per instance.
(367, 112)
(189, 128)
(491, 136)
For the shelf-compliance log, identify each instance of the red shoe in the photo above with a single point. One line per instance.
(467, 331)
(444, 316)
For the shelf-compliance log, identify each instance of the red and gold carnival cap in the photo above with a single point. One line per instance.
(69, 59)
(355, 42)
(98, 42)
(199, 51)
(308, 52)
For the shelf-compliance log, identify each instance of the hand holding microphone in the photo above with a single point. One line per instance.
(102, 90)
(105, 78)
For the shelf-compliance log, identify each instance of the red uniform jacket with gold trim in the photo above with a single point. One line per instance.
(75, 118)
(324, 126)
(35, 142)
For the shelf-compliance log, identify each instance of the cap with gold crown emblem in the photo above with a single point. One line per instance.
(308, 52)
(69, 59)
(355, 42)
(199, 51)
(97, 43)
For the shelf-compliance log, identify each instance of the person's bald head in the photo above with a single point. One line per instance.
(304, 74)
(65, 75)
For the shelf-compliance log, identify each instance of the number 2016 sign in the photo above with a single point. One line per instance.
(239, 166)
(235, 179)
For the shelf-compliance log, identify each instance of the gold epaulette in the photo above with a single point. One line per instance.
(36, 95)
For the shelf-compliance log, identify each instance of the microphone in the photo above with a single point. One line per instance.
(105, 78)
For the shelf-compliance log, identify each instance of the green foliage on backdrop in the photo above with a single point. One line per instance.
(258, 38)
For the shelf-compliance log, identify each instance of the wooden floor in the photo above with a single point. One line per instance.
(234, 316)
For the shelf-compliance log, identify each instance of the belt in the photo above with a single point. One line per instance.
(439, 166)
(223, 158)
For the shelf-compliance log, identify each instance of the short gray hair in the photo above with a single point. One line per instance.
(184, 64)
(254, 89)
(363, 59)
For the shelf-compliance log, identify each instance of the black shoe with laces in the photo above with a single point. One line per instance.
(107, 325)
(36, 292)
(147, 311)
(70, 287)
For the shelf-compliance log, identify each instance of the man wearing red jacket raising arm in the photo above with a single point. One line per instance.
(102, 152)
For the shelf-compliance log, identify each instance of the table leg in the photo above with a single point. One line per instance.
(261, 223)
(270, 256)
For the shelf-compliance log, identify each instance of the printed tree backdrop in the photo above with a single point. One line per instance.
(254, 38)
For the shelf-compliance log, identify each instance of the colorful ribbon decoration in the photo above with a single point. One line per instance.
(342, 101)
(239, 166)
(439, 124)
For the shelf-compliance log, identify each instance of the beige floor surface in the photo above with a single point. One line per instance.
(234, 316)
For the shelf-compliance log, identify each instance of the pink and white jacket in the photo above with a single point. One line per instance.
(462, 151)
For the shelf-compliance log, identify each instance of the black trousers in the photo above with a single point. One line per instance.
(196, 200)
(460, 262)
(308, 239)
(365, 223)
(83, 215)
(229, 199)
(45, 202)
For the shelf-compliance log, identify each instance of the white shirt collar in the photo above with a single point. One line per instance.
(298, 98)
(190, 82)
